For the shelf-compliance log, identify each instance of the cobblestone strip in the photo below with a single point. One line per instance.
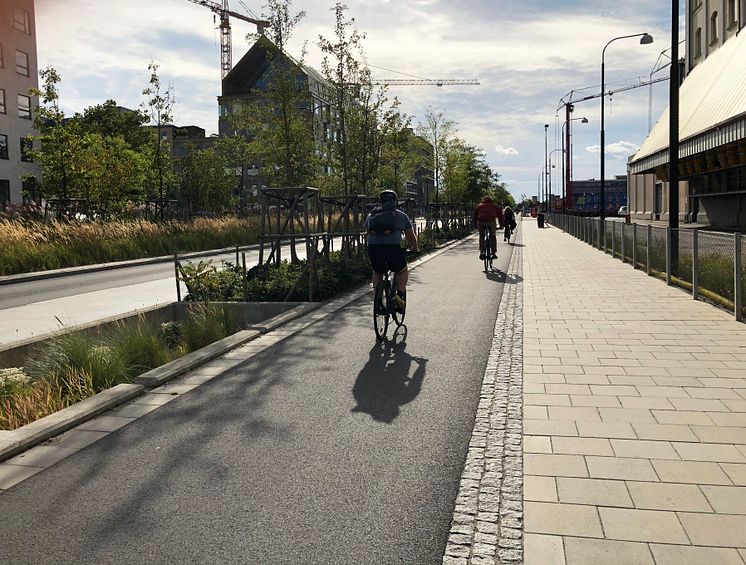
(487, 525)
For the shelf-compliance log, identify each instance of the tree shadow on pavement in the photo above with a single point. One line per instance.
(384, 383)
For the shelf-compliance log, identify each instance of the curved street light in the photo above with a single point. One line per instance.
(645, 39)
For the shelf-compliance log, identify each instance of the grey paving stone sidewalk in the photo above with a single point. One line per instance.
(634, 415)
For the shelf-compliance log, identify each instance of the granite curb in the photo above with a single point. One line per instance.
(82, 269)
(487, 523)
(15, 441)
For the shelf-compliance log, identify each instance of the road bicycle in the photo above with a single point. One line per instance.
(384, 307)
(508, 232)
(488, 251)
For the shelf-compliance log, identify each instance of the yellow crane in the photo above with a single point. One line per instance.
(225, 13)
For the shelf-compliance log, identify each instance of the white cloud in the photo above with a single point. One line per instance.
(624, 148)
(500, 150)
(526, 55)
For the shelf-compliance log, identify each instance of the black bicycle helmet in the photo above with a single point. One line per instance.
(388, 195)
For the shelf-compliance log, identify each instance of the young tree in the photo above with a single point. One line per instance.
(343, 70)
(437, 129)
(159, 107)
(276, 124)
(58, 139)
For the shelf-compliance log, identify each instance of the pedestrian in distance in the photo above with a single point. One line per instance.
(487, 215)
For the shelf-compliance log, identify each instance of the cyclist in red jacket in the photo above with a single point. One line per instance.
(487, 214)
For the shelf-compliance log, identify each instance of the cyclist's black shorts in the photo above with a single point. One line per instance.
(387, 258)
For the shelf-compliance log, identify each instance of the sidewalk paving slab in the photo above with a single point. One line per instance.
(665, 476)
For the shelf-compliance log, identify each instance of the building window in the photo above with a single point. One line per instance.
(2, 101)
(3, 146)
(31, 190)
(22, 63)
(732, 13)
(27, 146)
(698, 42)
(24, 107)
(22, 21)
(713, 28)
(4, 193)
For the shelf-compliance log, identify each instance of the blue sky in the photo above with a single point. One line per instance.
(526, 54)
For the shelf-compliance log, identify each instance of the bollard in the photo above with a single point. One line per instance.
(738, 274)
(695, 264)
(668, 256)
(176, 272)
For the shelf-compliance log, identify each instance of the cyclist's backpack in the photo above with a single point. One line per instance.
(383, 218)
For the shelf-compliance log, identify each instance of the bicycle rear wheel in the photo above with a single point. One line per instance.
(381, 310)
(487, 255)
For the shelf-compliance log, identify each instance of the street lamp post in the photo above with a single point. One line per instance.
(546, 158)
(645, 39)
(549, 197)
(567, 163)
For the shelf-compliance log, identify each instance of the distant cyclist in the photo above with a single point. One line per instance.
(486, 216)
(386, 225)
(508, 222)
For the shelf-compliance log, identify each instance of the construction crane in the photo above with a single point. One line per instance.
(226, 62)
(433, 82)
(569, 97)
(568, 101)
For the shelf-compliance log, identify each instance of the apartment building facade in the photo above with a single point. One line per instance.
(18, 74)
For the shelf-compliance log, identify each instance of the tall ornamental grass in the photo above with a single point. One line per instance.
(30, 246)
(77, 365)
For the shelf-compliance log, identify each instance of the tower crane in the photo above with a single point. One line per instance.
(225, 14)
(433, 82)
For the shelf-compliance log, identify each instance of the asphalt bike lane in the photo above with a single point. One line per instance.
(328, 447)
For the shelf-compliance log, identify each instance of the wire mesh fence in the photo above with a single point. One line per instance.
(715, 265)
(712, 265)
(683, 270)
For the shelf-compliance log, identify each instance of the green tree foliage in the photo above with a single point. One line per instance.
(400, 150)
(110, 121)
(467, 177)
(206, 182)
(80, 160)
(343, 71)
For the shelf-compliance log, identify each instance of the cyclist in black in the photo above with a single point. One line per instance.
(386, 225)
(509, 221)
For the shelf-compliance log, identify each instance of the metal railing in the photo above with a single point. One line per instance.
(712, 265)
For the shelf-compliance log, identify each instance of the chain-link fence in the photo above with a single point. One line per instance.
(712, 265)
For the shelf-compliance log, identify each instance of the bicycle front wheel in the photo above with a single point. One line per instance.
(380, 312)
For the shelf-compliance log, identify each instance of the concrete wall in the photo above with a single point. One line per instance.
(641, 192)
(245, 313)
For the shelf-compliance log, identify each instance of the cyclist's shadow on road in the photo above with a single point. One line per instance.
(387, 380)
